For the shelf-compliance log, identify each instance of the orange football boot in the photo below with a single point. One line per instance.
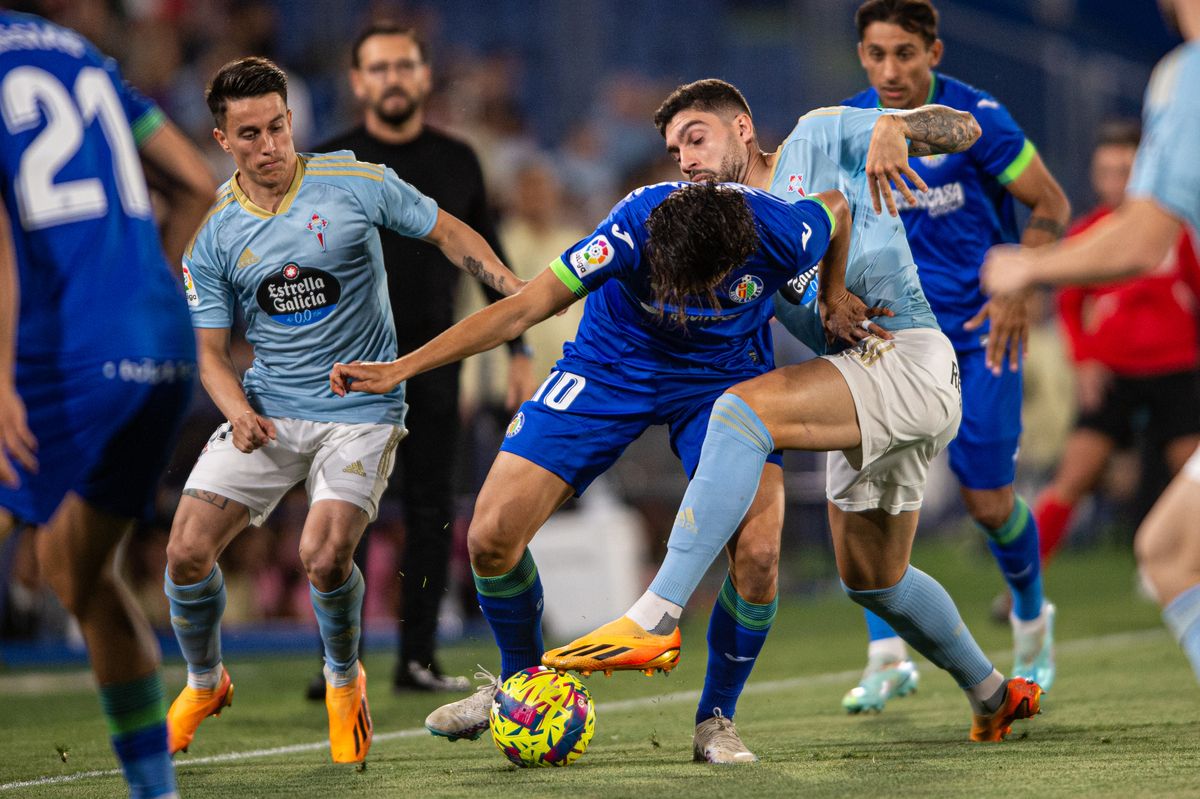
(621, 645)
(1024, 700)
(350, 728)
(194, 705)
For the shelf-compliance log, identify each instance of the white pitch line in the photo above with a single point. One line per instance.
(834, 677)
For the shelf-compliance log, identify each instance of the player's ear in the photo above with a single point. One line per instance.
(935, 52)
(744, 126)
(862, 55)
(221, 140)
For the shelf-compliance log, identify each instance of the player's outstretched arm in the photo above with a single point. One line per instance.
(1134, 239)
(467, 250)
(502, 321)
(175, 169)
(220, 379)
(16, 439)
(1009, 313)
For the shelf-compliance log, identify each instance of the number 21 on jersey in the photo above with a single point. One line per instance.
(30, 94)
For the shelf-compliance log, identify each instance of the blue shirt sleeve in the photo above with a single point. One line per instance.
(210, 296)
(1002, 150)
(613, 249)
(811, 227)
(1167, 169)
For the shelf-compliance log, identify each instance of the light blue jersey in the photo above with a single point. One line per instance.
(310, 281)
(1167, 169)
(828, 150)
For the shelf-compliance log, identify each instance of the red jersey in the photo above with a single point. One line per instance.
(1140, 326)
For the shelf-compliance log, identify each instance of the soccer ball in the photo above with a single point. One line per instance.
(542, 718)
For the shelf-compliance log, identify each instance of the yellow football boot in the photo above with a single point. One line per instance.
(621, 645)
(350, 728)
(192, 706)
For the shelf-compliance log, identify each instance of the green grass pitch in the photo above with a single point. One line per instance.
(1123, 719)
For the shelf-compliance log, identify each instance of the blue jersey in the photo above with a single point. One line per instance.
(623, 325)
(967, 209)
(94, 284)
(828, 150)
(310, 281)
(1166, 169)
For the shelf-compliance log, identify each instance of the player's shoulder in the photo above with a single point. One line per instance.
(223, 206)
(341, 167)
(644, 198)
(963, 96)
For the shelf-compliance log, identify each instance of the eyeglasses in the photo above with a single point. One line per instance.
(405, 66)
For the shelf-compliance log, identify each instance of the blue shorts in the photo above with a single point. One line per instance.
(105, 433)
(585, 415)
(984, 455)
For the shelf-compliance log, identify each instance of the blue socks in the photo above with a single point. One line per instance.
(737, 631)
(137, 723)
(512, 604)
(196, 617)
(736, 447)
(1015, 547)
(924, 615)
(1183, 619)
(339, 617)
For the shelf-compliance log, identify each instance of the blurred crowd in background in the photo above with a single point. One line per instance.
(556, 98)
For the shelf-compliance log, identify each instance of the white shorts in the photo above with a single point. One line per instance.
(1191, 469)
(337, 460)
(906, 393)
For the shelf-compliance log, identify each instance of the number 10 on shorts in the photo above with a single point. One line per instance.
(559, 390)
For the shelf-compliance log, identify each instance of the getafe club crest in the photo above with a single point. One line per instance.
(317, 225)
(515, 425)
(746, 289)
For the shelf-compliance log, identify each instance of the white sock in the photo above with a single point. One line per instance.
(340, 679)
(887, 650)
(1034, 626)
(984, 690)
(206, 680)
(655, 614)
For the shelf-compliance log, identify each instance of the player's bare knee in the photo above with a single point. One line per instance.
(191, 555)
(493, 548)
(989, 509)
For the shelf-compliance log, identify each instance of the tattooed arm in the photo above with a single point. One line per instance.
(467, 250)
(934, 129)
(922, 131)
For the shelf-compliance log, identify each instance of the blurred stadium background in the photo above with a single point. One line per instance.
(557, 97)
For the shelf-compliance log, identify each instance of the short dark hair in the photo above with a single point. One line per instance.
(1119, 133)
(252, 76)
(387, 27)
(697, 236)
(710, 94)
(914, 16)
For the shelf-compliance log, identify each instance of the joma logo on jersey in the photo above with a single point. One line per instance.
(596, 254)
(317, 225)
(746, 289)
(794, 184)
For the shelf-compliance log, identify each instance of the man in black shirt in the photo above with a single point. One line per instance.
(391, 77)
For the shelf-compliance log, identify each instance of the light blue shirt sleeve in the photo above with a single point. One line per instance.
(210, 296)
(404, 209)
(1167, 169)
(841, 132)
